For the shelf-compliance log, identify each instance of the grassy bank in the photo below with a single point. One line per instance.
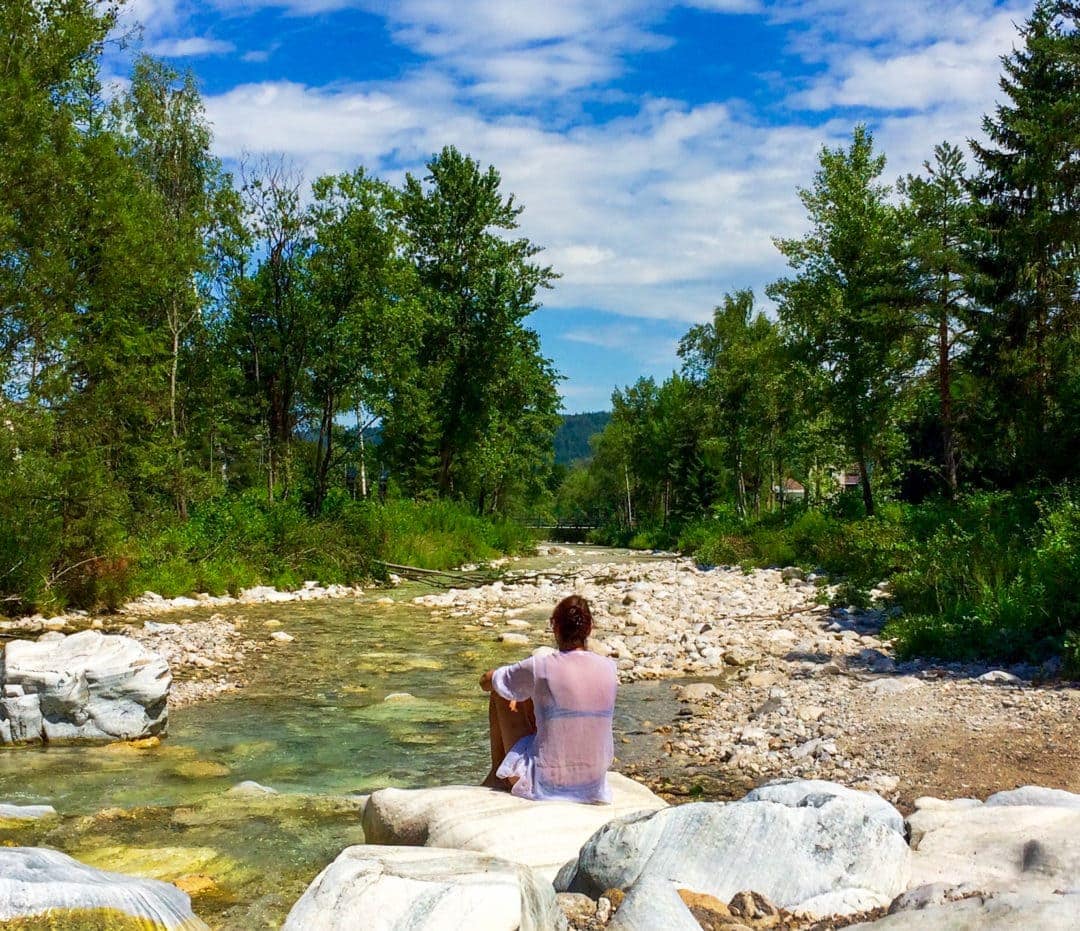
(991, 576)
(235, 542)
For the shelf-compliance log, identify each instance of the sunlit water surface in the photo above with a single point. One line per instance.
(313, 724)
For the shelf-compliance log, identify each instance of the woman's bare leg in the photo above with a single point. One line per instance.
(506, 729)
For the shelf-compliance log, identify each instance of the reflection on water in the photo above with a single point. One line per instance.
(312, 723)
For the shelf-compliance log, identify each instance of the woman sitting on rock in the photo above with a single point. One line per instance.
(551, 715)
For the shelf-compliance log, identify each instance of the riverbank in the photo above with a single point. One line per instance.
(206, 657)
(789, 687)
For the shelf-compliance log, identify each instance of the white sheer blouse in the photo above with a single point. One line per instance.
(573, 694)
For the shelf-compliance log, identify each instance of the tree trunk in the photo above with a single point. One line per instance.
(323, 454)
(181, 498)
(867, 491)
(945, 390)
(629, 509)
(363, 457)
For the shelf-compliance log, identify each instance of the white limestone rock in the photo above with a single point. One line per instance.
(814, 847)
(541, 835)
(26, 812)
(997, 847)
(815, 793)
(36, 881)
(87, 686)
(1005, 912)
(378, 888)
(1035, 795)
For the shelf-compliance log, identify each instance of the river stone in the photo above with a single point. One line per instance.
(1005, 912)
(814, 793)
(380, 888)
(541, 835)
(88, 686)
(1035, 795)
(35, 881)
(997, 847)
(26, 812)
(815, 850)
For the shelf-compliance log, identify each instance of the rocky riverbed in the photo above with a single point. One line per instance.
(733, 679)
(790, 687)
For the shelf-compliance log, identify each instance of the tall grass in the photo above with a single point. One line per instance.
(231, 543)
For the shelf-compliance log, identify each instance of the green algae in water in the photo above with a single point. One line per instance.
(311, 723)
(81, 919)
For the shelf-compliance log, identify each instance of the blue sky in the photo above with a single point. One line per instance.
(657, 146)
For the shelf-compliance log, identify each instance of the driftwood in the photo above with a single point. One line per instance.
(437, 577)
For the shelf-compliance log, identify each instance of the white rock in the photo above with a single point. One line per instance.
(893, 686)
(88, 686)
(378, 888)
(1035, 795)
(250, 787)
(697, 691)
(929, 803)
(1005, 912)
(281, 637)
(263, 594)
(513, 638)
(541, 835)
(817, 793)
(997, 847)
(39, 882)
(26, 812)
(1000, 677)
(824, 852)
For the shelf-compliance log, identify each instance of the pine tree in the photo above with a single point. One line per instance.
(942, 218)
(1030, 191)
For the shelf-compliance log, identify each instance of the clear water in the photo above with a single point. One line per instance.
(312, 723)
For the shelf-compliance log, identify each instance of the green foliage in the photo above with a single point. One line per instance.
(846, 312)
(182, 361)
(996, 579)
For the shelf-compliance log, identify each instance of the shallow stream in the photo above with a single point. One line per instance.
(312, 722)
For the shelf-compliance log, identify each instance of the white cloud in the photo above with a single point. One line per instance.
(258, 56)
(952, 71)
(194, 47)
(653, 214)
(616, 336)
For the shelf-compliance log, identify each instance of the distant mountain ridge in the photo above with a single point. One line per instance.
(572, 438)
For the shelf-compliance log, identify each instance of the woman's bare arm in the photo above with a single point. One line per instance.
(485, 680)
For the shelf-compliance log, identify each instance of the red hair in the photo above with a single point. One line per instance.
(572, 621)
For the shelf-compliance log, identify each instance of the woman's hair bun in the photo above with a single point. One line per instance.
(572, 620)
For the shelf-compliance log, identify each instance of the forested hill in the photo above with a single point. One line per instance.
(572, 437)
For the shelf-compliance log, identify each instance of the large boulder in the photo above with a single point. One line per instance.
(541, 835)
(996, 847)
(376, 888)
(811, 847)
(39, 882)
(1035, 795)
(88, 686)
(1005, 912)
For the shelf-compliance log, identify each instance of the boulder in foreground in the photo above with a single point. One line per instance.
(997, 846)
(808, 847)
(541, 835)
(88, 686)
(39, 882)
(376, 888)
(1010, 911)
